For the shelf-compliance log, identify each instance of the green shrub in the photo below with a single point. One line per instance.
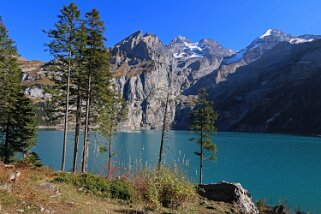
(31, 160)
(98, 185)
(120, 189)
(64, 178)
(168, 188)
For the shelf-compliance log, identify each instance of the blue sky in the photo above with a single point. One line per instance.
(233, 23)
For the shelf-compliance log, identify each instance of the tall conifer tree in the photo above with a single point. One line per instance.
(62, 48)
(80, 83)
(98, 83)
(17, 115)
(203, 118)
(112, 111)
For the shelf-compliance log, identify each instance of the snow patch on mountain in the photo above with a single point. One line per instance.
(235, 58)
(192, 46)
(190, 50)
(300, 40)
(267, 33)
(179, 55)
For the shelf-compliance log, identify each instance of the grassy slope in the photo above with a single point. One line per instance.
(34, 192)
(31, 195)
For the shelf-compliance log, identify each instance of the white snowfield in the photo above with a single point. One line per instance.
(237, 57)
(189, 51)
(299, 40)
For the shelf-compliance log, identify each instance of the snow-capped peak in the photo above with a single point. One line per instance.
(179, 39)
(274, 32)
(267, 33)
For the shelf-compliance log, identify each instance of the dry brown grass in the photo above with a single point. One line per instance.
(120, 71)
(33, 192)
(30, 196)
(136, 70)
(44, 81)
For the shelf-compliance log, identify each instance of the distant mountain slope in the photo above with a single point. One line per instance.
(277, 93)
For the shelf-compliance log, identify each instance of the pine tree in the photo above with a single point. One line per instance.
(80, 83)
(17, 115)
(111, 113)
(98, 77)
(62, 48)
(203, 118)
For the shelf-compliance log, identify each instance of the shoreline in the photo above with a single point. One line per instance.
(55, 128)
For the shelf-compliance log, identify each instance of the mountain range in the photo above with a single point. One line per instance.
(272, 85)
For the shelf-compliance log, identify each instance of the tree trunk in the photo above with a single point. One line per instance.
(201, 162)
(77, 130)
(163, 133)
(95, 153)
(63, 161)
(109, 158)
(201, 153)
(6, 145)
(86, 131)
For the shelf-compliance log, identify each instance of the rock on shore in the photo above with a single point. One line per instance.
(232, 193)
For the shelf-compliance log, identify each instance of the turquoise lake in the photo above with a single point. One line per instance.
(278, 168)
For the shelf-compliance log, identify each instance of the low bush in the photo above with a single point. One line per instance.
(98, 186)
(168, 188)
(165, 188)
(31, 160)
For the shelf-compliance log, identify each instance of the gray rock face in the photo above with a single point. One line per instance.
(143, 74)
(196, 60)
(145, 70)
(34, 78)
(232, 193)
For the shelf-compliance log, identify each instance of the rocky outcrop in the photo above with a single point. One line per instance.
(232, 193)
(34, 78)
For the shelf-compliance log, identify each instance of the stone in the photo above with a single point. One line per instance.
(280, 210)
(232, 193)
(47, 185)
(14, 176)
(6, 187)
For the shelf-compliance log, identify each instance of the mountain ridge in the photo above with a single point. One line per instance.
(145, 69)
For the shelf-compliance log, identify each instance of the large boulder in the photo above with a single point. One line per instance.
(232, 193)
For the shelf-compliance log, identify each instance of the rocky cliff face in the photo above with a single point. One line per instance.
(145, 70)
(250, 87)
(34, 78)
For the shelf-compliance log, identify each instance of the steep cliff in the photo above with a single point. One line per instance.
(145, 70)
